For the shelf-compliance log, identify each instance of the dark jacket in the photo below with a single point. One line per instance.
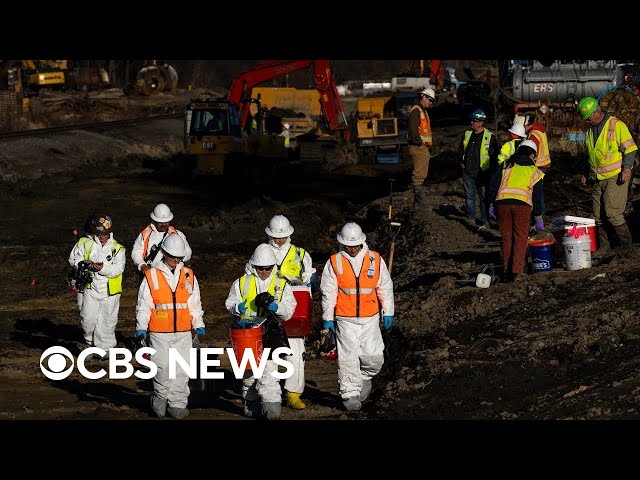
(471, 156)
(496, 179)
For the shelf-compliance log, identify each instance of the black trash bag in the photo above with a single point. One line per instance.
(327, 343)
(274, 334)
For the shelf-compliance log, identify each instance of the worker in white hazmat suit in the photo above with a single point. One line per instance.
(169, 308)
(355, 284)
(261, 395)
(100, 304)
(146, 248)
(294, 264)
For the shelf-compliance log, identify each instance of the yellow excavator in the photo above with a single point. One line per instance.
(35, 75)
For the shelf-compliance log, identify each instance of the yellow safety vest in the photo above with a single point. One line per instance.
(542, 159)
(485, 161)
(605, 155)
(114, 285)
(518, 181)
(507, 150)
(249, 292)
(291, 265)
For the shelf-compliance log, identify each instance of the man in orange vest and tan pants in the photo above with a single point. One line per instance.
(169, 307)
(356, 285)
(420, 140)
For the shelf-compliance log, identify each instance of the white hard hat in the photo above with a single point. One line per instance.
(263, 256)
(174, 245)
(279, 227)
(519, 120)
(351, 235)
(429, 92)
(286, 125)
(518, 129)
(529, 143)
(161, 213)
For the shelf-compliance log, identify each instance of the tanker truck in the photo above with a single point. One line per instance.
(552, 89)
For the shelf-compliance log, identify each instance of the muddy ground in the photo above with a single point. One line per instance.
(559, 345)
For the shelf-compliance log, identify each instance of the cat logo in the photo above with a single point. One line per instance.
(208, 146)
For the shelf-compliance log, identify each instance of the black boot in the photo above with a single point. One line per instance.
(624, 235)
(419, 196)
(603, 240)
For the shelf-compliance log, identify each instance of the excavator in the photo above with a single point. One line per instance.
(220, 132)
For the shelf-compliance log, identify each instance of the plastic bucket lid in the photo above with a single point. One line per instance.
(541, 242)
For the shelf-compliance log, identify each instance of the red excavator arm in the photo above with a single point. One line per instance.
(270, 69)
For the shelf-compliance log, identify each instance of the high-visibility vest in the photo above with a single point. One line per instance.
(357, 296)
(542, 159)
(424, 129)
(291, 264)
(170, 312)
(518, 181)
(605, 157)
(485, 160)
(114, 285)
(249, 291)
(287, 142)
(507, 150)
(146, 235)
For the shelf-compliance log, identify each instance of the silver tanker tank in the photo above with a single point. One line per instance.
(561, 81)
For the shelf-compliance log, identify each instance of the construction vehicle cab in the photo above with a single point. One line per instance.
(377, 138)
(212, 136)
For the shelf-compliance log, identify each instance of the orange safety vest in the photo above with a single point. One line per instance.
(146, 235)
(542, 158)
(424, 129)
(357, 296)
(170, 312)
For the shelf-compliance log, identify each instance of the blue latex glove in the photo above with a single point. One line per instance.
(492, 211)
(245, 323)
(388, 320)
(539, 225)
(241, 307)
(273, 306)
(331, 325)
(140, 334)
(200, 331)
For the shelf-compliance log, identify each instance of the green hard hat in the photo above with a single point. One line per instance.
(587, 106)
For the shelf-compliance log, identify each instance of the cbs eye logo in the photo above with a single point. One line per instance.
(56, 363)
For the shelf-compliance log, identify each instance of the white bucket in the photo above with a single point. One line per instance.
(577, 252)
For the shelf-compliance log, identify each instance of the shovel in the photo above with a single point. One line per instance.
(393, 225)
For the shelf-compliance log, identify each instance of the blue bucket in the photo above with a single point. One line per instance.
(541, 258)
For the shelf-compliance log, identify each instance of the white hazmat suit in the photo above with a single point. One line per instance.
(359, 340)
(98, 309)
(295, 383)
(138, 252)
(174, 391)
(267, 388)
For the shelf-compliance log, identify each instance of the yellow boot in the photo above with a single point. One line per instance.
(293, 401)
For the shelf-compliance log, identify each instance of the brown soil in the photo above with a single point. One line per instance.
(559, 345)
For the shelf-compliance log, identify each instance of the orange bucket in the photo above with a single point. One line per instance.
(299, 325)
(247, 338)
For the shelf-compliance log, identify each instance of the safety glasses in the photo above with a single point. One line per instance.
(264, 269)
